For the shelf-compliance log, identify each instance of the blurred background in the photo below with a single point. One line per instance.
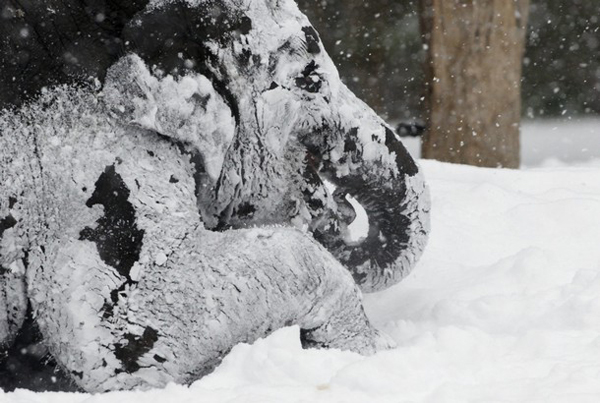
(378, 48)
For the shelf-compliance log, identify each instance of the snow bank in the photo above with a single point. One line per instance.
(504, 306)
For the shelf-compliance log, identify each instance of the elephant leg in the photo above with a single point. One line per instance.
(119, 211)
(241, 285)
(281, 276)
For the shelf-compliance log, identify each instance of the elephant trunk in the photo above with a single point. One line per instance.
(370, 164)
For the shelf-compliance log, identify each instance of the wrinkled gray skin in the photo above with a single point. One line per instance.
(108, 195)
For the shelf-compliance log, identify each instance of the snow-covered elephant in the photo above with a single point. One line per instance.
(142, 143)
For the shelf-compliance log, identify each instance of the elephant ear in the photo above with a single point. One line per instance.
(187, 110)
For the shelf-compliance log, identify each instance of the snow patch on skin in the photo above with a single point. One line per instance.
(354, 113)
(274, 109)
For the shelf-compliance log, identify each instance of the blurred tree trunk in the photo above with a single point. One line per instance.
(473, 100)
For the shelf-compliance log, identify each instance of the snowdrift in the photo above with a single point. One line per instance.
(504, 306)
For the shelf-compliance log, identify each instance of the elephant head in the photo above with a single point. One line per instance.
(296, 126)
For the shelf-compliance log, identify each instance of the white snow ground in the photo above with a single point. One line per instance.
(503, 307)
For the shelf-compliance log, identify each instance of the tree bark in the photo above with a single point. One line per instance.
(473, 98)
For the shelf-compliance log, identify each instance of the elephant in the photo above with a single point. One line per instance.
(166, 187)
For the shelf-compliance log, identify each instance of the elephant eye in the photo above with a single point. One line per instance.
(310, 80)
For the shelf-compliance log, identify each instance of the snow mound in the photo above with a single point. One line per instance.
(504, 306)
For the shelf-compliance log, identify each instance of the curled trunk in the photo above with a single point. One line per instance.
(364, 159)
